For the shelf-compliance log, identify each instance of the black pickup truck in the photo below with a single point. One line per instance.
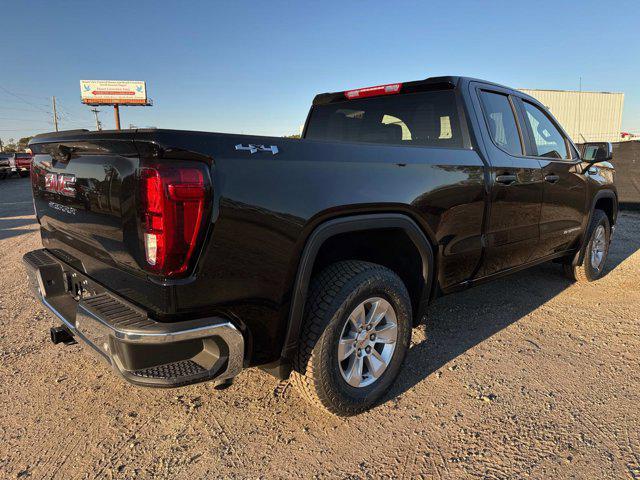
(183, 256)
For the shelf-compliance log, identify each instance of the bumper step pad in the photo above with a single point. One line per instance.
(39, 258)
(171, 371)
(118, 314)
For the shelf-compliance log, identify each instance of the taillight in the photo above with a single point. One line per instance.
(389, 89)
(174, 200)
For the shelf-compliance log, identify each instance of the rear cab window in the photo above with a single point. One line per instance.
(501, 122)
(420, 119)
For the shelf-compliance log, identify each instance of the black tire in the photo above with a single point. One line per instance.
(3, 176)
(586, 271)
(23, 174)
(333, 296)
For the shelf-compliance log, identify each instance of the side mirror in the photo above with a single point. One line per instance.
(594, 152)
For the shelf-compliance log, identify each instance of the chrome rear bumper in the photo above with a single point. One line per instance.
(140, 349)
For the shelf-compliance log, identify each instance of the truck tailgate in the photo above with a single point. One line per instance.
(84, 191)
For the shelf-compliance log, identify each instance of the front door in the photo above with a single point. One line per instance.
(516, 184)
(565, 185)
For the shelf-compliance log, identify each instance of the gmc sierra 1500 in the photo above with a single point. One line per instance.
(184, 256)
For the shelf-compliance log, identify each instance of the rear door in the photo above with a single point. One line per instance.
(516, 184)
(565, 187)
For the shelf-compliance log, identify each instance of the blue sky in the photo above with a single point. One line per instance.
(254, 67)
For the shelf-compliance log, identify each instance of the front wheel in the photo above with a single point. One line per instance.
(355, 336)
(596, 251)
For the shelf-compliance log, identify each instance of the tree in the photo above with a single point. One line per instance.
(10, 146)
(23, 142)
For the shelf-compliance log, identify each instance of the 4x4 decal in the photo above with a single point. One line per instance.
(258, 148)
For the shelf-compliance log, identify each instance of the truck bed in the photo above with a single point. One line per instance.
(254, 232)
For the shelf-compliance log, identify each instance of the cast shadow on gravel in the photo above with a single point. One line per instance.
(14, 227)
(457, 322)
(16, 202)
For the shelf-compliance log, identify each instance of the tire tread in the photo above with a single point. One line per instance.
(312, 381)
(580, 273)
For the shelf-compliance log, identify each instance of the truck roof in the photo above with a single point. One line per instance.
(446, 82)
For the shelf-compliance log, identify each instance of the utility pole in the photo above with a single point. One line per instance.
(1, 149)
(580, 108)
(98, 123)
(55, 114)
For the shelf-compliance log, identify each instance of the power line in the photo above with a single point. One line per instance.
(11, 97)
(22, 99)
(13, 129)
(6, 99)
(76, 122)
(67, 112)
(25, 120)
(69, 118)
(21, 109)
(63, 116)
(39, 97)
(62, 109)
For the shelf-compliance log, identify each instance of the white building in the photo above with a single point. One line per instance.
(586, 116)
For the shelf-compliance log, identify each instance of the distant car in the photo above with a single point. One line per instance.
(23, 163)
(6, 165)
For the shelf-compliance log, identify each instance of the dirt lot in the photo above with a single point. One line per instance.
(530, 376)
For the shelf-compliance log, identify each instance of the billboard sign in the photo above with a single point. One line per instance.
(113, 92)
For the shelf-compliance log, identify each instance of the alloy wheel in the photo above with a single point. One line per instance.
(367, 342)
(598, 247)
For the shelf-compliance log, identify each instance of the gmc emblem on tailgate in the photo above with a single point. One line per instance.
(62, 183)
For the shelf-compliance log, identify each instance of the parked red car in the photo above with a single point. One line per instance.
(23, 164)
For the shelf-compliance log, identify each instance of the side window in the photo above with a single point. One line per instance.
(445, 127)
(501, 122)
(548, 139)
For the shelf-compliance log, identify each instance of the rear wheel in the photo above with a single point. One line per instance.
(3, 176)
(355, 336)
(596, 251)
(24, 174)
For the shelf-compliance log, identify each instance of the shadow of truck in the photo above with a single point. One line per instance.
(458, 322)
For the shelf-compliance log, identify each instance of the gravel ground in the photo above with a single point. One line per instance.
(527, 377)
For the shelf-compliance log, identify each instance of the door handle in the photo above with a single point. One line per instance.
(551, 178)
(506, 179)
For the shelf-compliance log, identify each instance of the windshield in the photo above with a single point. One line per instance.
(424, 119)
